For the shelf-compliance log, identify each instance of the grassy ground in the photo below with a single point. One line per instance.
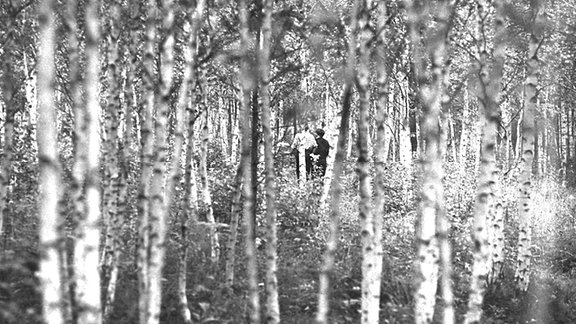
(551, 297)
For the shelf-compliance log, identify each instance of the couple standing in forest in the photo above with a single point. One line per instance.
(316, 150)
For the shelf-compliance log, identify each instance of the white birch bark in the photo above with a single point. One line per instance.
(247, 84)
(159, 196)
(147, 151)
(272, 305)
(430, 233)
(371, 260)
(205, 189)
(485, 197)
(496, 231)
(522, 274)
(49, 178)
(87, 245)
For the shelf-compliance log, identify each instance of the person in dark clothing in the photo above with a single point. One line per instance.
(320, 154)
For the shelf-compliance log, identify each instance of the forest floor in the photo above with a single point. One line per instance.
(551, 297)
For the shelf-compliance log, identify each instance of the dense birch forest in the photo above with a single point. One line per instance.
(318, 161)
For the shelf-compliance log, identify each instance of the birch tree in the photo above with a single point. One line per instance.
(522, 274)
(432, 247)
(188, 214)
(380, 155)
(247, 84)
(111, 215)
(147, 149)
(205, 189)
(272, 306)
(371, 273)
(49, 178)
(496, 233)
(235, 210)
(87, 245)
(80, 133)
(159, 200)
(485, 197)
(9, 90)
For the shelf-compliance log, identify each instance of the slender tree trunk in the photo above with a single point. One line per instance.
(485, 199)
(247, 83)
(432, 244)
(49, 179)
(159, 197)
(371, 260)
(206, 196)
(497, 212)
(9, 93)
(335, 187)
(111, 250)
(147, 151)
(272, 306)
(87, 244)
(522, 274)
(79, 140)
(188, 213)
(444, 10)
(234, 218)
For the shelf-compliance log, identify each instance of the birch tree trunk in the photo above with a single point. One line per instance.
(522, 274)
(272, 306)
(335, 187)
(247, 83)
(188, 214)
(496, 230)
(80, 137)
(87, 245)
(430, 235)
(159, 197)
(488, 177)
(111, 250)
(205, 189)
(371, 260)
(235, 210)
(9, 93)
(147, 150)
(49, 179)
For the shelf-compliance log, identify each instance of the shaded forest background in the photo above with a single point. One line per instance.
(148, 144)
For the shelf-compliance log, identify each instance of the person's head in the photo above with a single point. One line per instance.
(320, 132)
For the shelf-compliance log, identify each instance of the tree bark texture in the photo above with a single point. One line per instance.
(272, 305)
(432, 245)
(496, 230)
(146, 157)
(87, 245)
(488, 177)
(247, 84)
(522, 274)
(371, 260)
(49, 179)
(112, 222)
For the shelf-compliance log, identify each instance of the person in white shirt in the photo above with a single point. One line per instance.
(304, 140)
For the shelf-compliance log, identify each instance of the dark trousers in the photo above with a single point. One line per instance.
(320, 168)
